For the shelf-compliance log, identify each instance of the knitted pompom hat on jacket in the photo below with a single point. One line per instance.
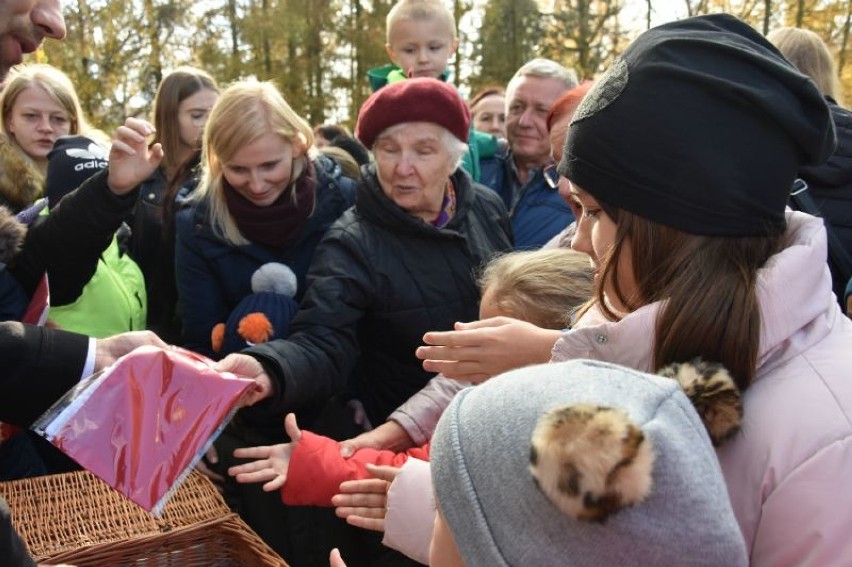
(582, 463)
(701, 125)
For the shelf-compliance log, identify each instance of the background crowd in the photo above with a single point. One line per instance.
(661, 280)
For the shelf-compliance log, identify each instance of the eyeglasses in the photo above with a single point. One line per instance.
(551, 176)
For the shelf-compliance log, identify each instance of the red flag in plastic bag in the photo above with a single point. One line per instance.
(143, 423)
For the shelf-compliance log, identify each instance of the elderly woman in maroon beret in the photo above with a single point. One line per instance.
(399, 263)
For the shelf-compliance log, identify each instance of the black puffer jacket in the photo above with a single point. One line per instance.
(379, 280)
(830, 185)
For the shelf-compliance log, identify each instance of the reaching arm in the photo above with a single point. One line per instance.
(68, 243)
(310, 470)
(314, 363)
(477, 351)
(40, 365)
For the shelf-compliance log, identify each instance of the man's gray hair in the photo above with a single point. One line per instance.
(548, 69)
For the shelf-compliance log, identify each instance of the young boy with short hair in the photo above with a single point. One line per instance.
(421, 39)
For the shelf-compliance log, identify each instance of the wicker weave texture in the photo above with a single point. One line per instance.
(76, 518)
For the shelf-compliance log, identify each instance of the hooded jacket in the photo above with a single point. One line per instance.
(20, 182)
(786, 469)
(379, 280)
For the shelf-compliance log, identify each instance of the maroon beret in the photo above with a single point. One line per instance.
(420, 99)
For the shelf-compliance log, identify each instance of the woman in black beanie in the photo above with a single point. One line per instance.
(681, 159)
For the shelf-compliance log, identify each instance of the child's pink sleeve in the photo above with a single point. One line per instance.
(316, 468)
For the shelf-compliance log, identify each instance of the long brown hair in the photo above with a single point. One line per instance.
(708, 286)
(176, 87)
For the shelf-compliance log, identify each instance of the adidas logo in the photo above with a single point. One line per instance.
(94, 164)
(94, 151)
(95, 156)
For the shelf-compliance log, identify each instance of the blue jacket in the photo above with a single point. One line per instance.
(213, 276)
(539, 212)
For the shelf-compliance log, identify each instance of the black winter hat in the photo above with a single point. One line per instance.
(701, 125)
(72, 160)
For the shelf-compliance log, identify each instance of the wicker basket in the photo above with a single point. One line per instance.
(76, 518)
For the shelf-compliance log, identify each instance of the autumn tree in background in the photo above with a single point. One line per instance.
(831, 19)
(510, 35)
(318, 51)
(116, 51)
(585, 35)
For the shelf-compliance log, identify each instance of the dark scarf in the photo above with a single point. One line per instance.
(280, 224)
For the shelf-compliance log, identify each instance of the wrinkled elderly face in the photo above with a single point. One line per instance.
(528, 100)
(23, 26)
(414, 166)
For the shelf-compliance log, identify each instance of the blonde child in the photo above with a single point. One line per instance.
(541, 286)
(420, 40)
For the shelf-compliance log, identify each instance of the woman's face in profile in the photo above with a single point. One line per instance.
(595, 236)
(193, 112)
(261, 170)
(414, 166)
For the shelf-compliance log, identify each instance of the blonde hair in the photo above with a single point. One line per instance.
(246, 111)
(543, 287)
(419, 10)
(51, 80)
(809, 54)
(347, 163)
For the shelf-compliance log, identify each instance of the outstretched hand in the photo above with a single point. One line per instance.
(272, 461)
(390, 435)
(364, 503)
(248, 366)
(476, 351)
(131, 161)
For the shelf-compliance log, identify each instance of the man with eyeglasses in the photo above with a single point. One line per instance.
(519, 173)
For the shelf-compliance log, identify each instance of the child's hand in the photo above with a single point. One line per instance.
(364, 503)
(389, 435)
(130, 160)
(334, 559)
(272, 460)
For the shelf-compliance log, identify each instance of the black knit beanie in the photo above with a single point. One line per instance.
(701, 125)
(72, 160)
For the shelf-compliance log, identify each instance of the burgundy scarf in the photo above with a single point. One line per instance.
(280, 224)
